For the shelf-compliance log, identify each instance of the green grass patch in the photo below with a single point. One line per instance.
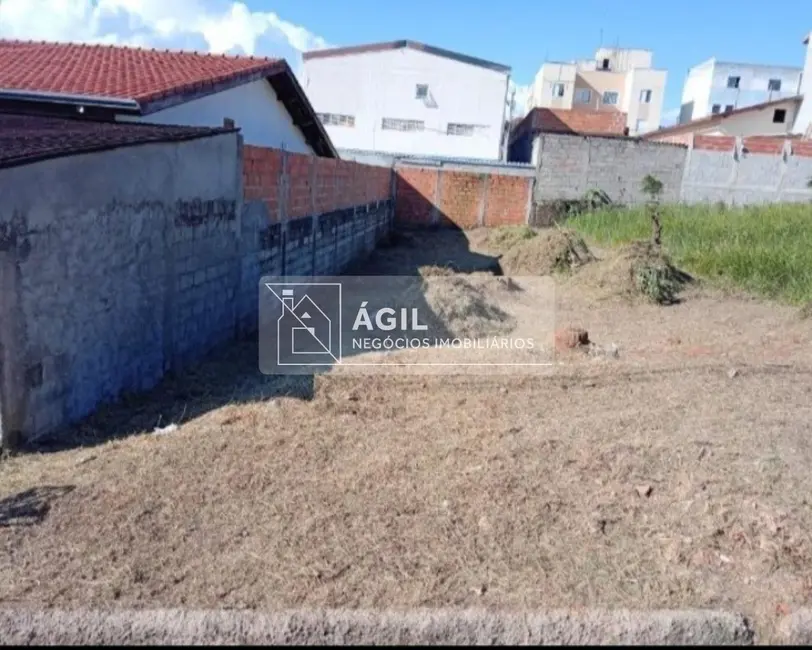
(766, 250)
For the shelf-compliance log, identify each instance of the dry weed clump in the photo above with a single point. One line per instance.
(549, 251)
(464, 304)
(638, 269)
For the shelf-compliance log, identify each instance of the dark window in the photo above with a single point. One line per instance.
(605, 64)
(729, 108)
(716, 109)
(421, 92)
(774, 85)
(733, 82)
(780, 116)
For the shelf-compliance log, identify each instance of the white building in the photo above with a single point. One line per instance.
(803, 121)
(408, 98)
(615, 80)
(260, 96)
(715, 87)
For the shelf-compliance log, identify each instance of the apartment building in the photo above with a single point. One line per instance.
(408, 98)
(714, 87)
(803, 121)
(616, 80)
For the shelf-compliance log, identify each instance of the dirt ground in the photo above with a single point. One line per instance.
(674, 475)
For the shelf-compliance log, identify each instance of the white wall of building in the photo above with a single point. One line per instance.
(803, 120)
(377, 85)
(263, 119)
(624, 60)
(644, 112)
(707, 85)
(756, 122)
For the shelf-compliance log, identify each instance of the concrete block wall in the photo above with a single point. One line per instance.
(697, 169)
(570, 165)
(108, 280)
(462, 197)
(747, 171)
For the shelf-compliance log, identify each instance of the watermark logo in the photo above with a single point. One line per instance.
(308, 326)
(451, 323)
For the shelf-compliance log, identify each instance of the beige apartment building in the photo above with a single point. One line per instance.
(618, 80)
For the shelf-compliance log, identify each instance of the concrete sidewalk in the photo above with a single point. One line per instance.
(455, 627)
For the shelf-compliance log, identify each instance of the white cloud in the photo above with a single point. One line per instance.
(207, 25)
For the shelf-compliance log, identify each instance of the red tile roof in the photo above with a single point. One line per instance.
(572, 121)
(121, 72)
(28, 138)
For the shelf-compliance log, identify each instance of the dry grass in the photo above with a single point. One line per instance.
(654, 480)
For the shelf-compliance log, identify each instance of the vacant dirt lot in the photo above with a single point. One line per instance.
(675, 475)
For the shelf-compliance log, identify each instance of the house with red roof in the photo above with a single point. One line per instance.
(261, 96)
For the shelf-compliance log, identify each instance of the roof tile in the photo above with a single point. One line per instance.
(27, 138)
(114, 71)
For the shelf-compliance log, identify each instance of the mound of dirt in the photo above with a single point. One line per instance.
(464, 304)
(636, 270)
(549, 251)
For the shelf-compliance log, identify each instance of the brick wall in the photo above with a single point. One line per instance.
(463, 198)
(294, 185)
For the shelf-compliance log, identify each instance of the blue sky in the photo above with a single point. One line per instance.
(522, 33)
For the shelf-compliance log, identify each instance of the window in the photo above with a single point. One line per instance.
(779, 116)
(645, 97)
(421, 91)
(716, 109)
(610, 98)
(733, 82)
(605, 64)
(774, 85)
(334, 119)
(394, 124)
(464, 129)
(729, 108)
(583, 95)
(558, 90)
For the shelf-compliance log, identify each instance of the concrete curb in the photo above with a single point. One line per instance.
(796, 629)
(354, 627)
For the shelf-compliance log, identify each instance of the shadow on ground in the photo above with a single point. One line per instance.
(30, 506)
(232, 375)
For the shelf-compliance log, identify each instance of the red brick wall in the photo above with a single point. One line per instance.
(715, 142)
(314, 185)
(431, 196)
(557, 120)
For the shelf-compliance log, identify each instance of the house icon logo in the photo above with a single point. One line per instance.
(308, 328)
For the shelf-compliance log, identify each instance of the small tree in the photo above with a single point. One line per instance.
(653, 187)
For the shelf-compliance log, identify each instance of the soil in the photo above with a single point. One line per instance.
(674, 475)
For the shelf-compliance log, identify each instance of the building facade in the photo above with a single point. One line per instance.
(803, 121)
(408, 98)
(716, 87)
(616, 80)
(770, 119)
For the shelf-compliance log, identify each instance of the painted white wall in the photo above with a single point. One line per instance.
(262, 118)
(624, 60)
(371, 86)
(710, 81)
(803, 120)
(696, 89)
(548, 75)
(644, 117)
(755, 123)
